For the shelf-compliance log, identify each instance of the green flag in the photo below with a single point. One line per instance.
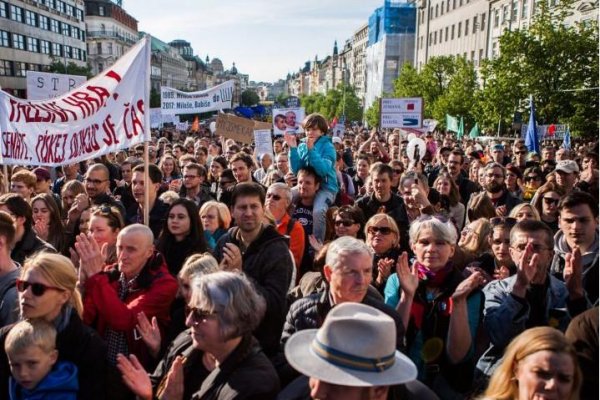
(451, 123)
(474, 131)
(461, 129)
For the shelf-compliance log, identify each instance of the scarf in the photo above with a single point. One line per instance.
(116, 341)
(429, 279)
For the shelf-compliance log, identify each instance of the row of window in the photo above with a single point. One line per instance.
(442, 7)
(35, 45)
(18, 68)
(455, 30)
(31, 18)
(508, 12)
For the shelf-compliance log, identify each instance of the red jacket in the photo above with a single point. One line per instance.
(296, 238)
(154, 294)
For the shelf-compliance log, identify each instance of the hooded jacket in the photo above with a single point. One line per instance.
(268, 262)
(60, 384)
(321, 157)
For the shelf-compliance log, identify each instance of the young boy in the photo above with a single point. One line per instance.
(318, 152)
(32, 356)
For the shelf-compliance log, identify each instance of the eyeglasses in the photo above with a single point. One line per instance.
(198, 315)
(537, 248)
(273, 196)
(347, 223)
(38, 289)
(532, 178)
(508, 221)
(550, 200)
(95, 182)
(384, 230)
(520, 152)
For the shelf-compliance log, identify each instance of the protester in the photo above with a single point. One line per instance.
(155, 207)
(216, 219)
(9, 272)
(47, 221)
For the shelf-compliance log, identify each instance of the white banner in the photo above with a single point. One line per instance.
(108, 113)
(173, 101)
(402, 113)
(45, 85)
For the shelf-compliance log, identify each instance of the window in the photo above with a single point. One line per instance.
(452, 33)
(515, 11)
(480, 55)
(56, 50)
(30, 18)
(16, 13)
(79, 14)
(472, 55)
(442, 8)
(100, 67)
(43, 22)
(110, 48)
(99, 48)
(437, 9)
(70, 10)
(32, 45)
(44, 47)
(60, 6)
(4, 39)
(20, 68)
(18, 41)
(482, 22)
(448, 6)
(54, 26)
(68, 52)
(525, 9)
(75, 32)
(475, 24)
(3, 9)
(446, 35)
(435, 37)
(466, 27)
(459, 30)
(6, 68)
(66, 29)
(454, 4)
(101, 11)
(76, 54)
(496, 18)
(505, 13)
(460, 3)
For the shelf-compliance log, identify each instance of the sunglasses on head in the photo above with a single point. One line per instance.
(38, 289)
(345, 222)
(384, 230)
(508, 221)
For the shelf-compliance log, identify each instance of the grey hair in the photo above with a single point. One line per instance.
(285, 188)
(238, 305)
(345, 246)
(445, 231)
(197, 265)
(412, 176)
(493, 165)
(138, 228)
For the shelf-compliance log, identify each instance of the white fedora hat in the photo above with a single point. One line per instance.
(356, 346)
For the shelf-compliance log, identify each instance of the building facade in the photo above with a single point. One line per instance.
(359, 60)
(35, 33)
(111, 31)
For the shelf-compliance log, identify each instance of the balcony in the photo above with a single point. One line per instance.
(109, 35)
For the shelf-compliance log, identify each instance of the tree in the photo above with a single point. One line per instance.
(154, 98)
(71, 69)
(556, 63)
(249, 98)
(372, 114)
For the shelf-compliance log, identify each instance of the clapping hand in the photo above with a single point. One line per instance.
(465, 288)
(573, 273)
(232, 257)
(407, 276)
(91, 256)
(173, 389)
(135, 376)
(150, 333)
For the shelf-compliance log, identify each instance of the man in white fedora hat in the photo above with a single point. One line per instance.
(353, 356)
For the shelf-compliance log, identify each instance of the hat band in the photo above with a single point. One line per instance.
(350, 361)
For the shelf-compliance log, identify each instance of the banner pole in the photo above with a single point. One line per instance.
(147, 184)
(5, 173)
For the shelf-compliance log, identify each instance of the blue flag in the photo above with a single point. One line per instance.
(531, 137)
(566, 144)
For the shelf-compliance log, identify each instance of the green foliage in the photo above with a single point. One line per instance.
(250, 98)
(281, 98)
(335, 103)
(72, 69)
(372, 114)
(154, 98)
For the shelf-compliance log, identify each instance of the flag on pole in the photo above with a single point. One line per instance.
(461, 129)
(474, 133)
(196, 124)
(451, 123)
(566, 144)
(531, 137)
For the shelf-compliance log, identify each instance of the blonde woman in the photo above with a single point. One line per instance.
(524, 211)
(215, 218)
(473, 240)
(383, 237)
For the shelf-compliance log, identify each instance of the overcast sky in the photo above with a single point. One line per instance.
(265, 38)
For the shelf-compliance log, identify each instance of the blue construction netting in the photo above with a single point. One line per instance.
(393, 18)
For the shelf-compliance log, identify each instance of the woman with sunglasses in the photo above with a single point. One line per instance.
(181, 235)
(383, 237)
(439, 307)
(546, 203)
(532, 180)
(398, 170)
(217, 358)
(47, 221)
(348, 221)
(215, 218)
(48, 289)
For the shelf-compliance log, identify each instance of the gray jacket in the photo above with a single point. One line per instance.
(9, 305)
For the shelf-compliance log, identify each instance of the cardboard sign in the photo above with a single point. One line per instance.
(236, 128)
(108, 113)
(46, 85)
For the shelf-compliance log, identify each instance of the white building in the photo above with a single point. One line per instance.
(359, 58)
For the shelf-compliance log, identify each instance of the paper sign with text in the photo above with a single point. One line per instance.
(173, 101)
(46, 85)
(106, 114)
(263, 142)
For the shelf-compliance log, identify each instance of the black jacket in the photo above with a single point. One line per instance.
(78, 344)
(29, 244)
(157, 216)
(268, 262)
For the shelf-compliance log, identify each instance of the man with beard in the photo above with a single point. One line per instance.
(495, 188)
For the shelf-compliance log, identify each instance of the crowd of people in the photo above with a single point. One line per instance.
(337, 267)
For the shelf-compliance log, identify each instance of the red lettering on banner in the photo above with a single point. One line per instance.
(35, 112)
(51, 148)
(114, 75)
(109, 130)
(13, 145)
(131, 116)
(90, 101)
(84, 142)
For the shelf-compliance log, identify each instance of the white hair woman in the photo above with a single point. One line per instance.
(227, 361)
(438, 306)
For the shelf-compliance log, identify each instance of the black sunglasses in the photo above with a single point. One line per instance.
(532, 178)
(198, 315)
(345, 222)
(550, 200)
(38, 289)
(273, 196)
(508, 221)
(384, 230)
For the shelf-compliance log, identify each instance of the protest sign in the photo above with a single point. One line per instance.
(287, 120)
(46, 85)
(155, 117)
(263, 144)
(236, 128)
(402, 113)
(108, 113)
(173, 101)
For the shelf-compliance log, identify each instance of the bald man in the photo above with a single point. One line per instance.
(114, 295)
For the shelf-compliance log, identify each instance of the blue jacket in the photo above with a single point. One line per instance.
(60, 384)
(321, 158)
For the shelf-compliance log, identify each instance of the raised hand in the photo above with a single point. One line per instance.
(315, 243)
(232, 257)
(384, 268)
(150, 333)
(526, 269)
(173, 389)
(407, 276)
(135, 376)
(90, 254)
(291, 140)
(465, 288)
(572, 273)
